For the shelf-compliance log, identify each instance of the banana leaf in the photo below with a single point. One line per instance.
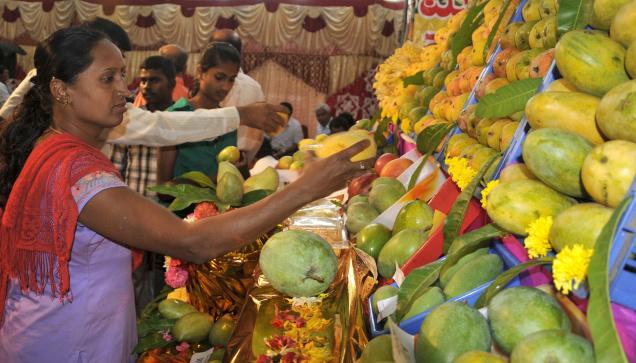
(508, 99)
(574, 14)
(415, 284)
(495, 28)
(471, 242)
(463, 37)
(457, 213)
(502, 280)
(199, 178)
(607, 345)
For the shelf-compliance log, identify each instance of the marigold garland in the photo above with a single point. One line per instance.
(460, 172)
(299, 341)
(484, 193)
(570, 267)
(537, 242)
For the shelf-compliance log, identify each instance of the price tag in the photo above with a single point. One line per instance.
(387, 307)
(202, 357)
(403, 344)
(398, 276)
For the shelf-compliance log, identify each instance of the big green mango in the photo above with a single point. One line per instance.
(399, 249)
(592, 61)
(556, 158)
(516, 204)
(579, 224)
(616, 113)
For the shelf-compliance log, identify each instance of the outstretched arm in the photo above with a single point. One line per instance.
(127, 218)
(142, 127)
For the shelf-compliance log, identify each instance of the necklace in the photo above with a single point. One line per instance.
(54, 130)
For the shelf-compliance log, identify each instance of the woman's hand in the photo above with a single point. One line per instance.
(321, 177)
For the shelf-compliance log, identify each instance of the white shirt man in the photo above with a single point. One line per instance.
(141, 127)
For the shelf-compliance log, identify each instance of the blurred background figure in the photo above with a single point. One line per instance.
(179, 57)
(323, 116)
(286, 143)
(4, 90)
(245, 91)
(339, 124)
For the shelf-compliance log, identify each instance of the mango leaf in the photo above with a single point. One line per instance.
(415, 284)
(574, 14)
(151, 341)
(378, 136)
(607, 345)
(502, 280)
(463, 37)
(508, 99)
(199, 178)
(185, 194)
(455, 217)
(254, 196)
(430, 137)
(495, 28)
(469, 243)
(418, 171)
(155, 324)
(415, 79)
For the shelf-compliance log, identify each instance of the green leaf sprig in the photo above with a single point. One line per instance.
(508, 99)
(574, 14)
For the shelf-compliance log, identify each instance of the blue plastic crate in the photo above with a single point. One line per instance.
(623, 257)
(412, 325)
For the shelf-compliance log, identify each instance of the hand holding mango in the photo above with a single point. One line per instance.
(283, 116)
(342, 140)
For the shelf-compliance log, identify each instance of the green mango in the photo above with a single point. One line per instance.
(192, 328)
(229, 189)
(415, 214)
(474, 273)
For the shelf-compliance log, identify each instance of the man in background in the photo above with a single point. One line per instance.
(245, 91)
(323, 117)
(138, 167)
(179, 57)
(286, 143)
(138, 163)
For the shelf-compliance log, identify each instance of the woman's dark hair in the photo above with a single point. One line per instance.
(63, 55)
(216, 54)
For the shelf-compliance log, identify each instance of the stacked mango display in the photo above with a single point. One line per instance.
(459, 82)
(527, 47)
(579, 153)
(527, 324)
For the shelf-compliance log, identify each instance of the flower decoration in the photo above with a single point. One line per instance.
(537, 242)
(570, 267)
(460, 172)
(300, 340)
(176, 274)
(484, 193)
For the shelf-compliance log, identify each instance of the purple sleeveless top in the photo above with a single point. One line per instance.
(97, 325)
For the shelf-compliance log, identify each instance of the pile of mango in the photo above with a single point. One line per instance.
(524, 323)
(459, 82)
(231, 186)
(579, 153)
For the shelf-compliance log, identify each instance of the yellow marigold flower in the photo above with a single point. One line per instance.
(537, 242)
(570, 267)
(460, 172)
(484, 193)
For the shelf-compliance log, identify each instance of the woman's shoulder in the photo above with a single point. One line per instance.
(181, 104)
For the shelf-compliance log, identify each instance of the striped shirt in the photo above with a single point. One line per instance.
(137, 165)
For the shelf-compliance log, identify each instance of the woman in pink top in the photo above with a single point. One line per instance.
(69, 222)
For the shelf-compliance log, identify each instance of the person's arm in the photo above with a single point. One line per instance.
(128, 218)
(17, 95)
(142, 127)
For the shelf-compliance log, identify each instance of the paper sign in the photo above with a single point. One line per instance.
(387, 307)
(398, 276)
(202, 357)
(403, 344)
